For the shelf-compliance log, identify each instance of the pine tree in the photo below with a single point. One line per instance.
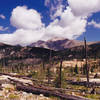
(76, 69)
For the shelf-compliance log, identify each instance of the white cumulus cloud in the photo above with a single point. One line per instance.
(28, 24)
(22, 37)
(84, 7)
(55, 6)
(72, 22)
(25, 18)
(68, 26)
(94, 23)
(30, 28)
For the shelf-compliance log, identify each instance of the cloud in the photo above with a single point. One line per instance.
(68, 26)
(72, 22)
(22, 37)
(29, 27)
(58, 12)
(3, 28)
(2, 16)
(25, 18)
(84, 7)
(95, 24)
(56, 7)
(79, 7)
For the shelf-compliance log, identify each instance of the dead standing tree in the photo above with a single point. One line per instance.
(59, 78)
(60, 74)
(49, 67)
(86, 64)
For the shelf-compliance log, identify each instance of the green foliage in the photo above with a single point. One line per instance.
(55, 98)
(76, 70)
(63, 81)
(13, 97)
(78, 79)
(37, 74)
(33, 74)
(49, 73)
(93, 96)
(92, 69)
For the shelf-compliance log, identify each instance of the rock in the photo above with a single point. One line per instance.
(73, 93)
(41, 95)
(10, 86)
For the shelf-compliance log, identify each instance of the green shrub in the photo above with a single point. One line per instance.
(76, 70)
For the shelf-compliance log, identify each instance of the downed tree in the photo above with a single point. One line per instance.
(45, 91)
(83, 83)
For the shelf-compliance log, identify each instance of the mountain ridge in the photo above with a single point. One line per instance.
(60, 43)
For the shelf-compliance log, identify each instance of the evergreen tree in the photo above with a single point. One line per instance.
(76, 69)
(84, 70)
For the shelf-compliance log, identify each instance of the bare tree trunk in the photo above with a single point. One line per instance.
(43, 63)
(48, 69)
(60, 74)
(48, 72)
(87, 67)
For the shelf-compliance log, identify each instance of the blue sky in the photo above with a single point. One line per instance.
(92, 33)
(48, 15)
(6, 7)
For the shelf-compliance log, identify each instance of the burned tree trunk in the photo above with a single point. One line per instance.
(60, 74)
(49, 67)
(86, 64)
(45, 91)
(48, 75)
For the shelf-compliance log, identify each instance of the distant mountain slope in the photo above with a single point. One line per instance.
(77, 52)
(30, 55)
(59, 44)
(14, 55)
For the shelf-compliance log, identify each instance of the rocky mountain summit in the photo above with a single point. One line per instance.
(59, 43)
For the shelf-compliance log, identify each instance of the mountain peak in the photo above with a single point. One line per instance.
(60, 43)
(56, 43)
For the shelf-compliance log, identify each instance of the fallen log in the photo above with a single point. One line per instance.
(46, 92)
(82, 83)
(19, 76)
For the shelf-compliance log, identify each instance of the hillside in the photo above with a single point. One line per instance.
(93, 51)
(19, 55)
(34, 55)
(59, 44)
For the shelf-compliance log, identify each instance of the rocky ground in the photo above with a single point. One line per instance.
(8, 91)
